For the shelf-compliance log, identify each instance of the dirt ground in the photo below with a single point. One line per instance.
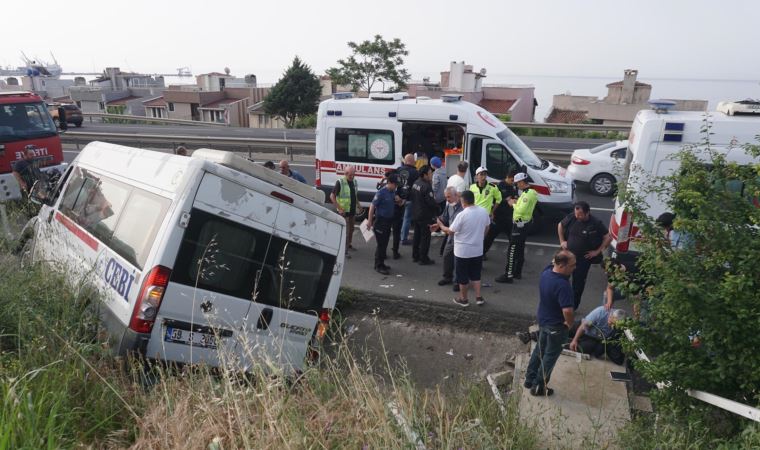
(439, 346)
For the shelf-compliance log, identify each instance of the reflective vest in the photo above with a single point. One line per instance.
(344, 196)
(489, 196)
(523, 208)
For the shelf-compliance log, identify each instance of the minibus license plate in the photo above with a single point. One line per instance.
(190, 338)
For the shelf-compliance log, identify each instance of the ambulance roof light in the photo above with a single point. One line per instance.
(343, 95)
(451, 98)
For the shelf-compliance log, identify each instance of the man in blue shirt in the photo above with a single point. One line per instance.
(555, 317)
(597, 336)
(288, 172)
(380, 219)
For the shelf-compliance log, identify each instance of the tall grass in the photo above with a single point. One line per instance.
(60, 388)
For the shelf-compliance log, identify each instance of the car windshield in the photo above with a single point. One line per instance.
(20, 121)
(518, 147)
(603, 147)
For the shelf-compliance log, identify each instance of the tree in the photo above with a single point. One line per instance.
(296, 94)
(702, 299)
(373, 62)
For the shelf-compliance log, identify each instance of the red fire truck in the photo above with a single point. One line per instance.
(25, 123)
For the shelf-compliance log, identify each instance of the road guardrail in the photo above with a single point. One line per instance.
(288, 147)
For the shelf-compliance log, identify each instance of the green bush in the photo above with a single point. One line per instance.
(702, 300)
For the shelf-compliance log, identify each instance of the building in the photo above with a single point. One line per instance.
(624, 99)
(516, 101)
(117, 92)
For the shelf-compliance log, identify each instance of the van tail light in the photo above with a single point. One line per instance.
(319, 333)
(623, 232)
(579, 161)
(149, 299)
(318, 174)
(323, 323)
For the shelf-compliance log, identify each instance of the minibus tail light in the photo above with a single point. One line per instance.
(149, 299)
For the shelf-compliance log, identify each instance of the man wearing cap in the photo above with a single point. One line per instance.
(380, 218)
(486, 194)
(522, 216)
(439, 182)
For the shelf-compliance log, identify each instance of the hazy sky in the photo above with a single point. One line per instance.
(662, 38)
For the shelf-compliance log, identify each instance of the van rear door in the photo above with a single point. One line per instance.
(204, 313)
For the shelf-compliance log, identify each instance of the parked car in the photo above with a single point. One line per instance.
(73, 113)
(748, 106)
(601, 166)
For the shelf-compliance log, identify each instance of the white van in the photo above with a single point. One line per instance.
(656, 136)
(204, 259)
(374, 134)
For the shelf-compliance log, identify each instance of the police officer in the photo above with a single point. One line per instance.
(424, 212)
(521, 217)
(502, 215)
(486, 194)
(380, 218)
(398, 212)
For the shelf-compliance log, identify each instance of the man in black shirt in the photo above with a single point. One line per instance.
(424, 213)
(502, 215)
(585, 236)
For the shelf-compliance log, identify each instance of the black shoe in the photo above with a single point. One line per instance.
(538, 391)
(480, 301)
(396, 255)
(461, 302)
(455, 288)
(503, 278)
(524, 337)
(444, 281)
(427, 262)
(527, 384)
(385, 267)
(382, 270)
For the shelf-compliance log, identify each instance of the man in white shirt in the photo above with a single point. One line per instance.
(457, 180)
(469, 228)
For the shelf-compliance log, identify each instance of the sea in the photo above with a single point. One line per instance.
(546, 86)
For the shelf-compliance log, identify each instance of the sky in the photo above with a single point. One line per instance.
(695, 39)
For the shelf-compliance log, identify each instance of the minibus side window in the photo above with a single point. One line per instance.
(138, 226)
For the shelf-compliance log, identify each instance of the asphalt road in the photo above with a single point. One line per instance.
(536, 143)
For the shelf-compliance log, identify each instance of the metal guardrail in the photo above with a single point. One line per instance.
(741, 409)
(554, 126)
(123, 117)
(283, 146)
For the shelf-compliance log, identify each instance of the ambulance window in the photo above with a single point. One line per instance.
(364, 146)
(138, 226)
(499, 161)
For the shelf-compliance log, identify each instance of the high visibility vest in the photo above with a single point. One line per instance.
(344, 196)
(488, 197)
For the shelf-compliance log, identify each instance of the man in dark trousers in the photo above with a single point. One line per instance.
(522, 216)
(62, 124)
(398, 212)
(502, 215)
(424, 213)
(407, 175)
(585, 236)
(555, 317)
(380, 218)
(450, 211)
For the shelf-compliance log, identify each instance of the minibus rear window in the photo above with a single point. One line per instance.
(227, 257)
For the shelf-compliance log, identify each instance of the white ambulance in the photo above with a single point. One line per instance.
(656, 136)
(374, 134)
(204, 259)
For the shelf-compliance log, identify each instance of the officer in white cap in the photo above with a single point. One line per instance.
(522, 216)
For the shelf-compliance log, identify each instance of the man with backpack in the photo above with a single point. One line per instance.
(585, 236)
